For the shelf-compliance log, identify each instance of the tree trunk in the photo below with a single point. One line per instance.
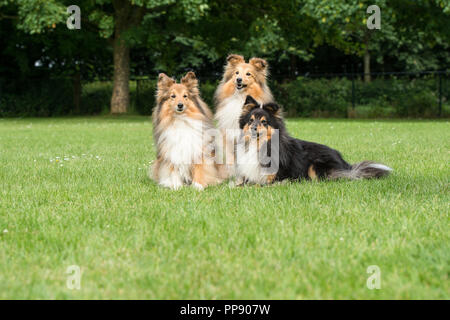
(76, 85)
(126, 15)
(367, 77)
(120, 100)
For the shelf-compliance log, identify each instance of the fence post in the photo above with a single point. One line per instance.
(137, 94)
(440, 94)
(353, 89)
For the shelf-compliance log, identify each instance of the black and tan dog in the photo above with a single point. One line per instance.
(263, 129)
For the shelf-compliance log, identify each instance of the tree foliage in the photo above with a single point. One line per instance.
(175, 36)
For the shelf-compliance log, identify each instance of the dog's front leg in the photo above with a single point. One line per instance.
(198, 177)
(169, 177)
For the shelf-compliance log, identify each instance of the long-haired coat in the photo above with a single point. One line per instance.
(181, 121)
(264, 134)
(239, 80)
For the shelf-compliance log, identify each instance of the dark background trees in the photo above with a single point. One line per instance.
(124, 38)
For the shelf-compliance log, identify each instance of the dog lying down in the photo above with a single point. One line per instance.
(267, 153)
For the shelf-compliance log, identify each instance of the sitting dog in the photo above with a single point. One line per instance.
(181, 121)
(264, 136)
(239, 80)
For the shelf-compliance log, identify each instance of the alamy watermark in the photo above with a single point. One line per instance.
(74, 21)
(238, 149)
(374, 280)
(374, 21)
(73, 281)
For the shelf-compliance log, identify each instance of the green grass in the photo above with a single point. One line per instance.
(133, 239)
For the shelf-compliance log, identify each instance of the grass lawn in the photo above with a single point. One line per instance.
(95, 207)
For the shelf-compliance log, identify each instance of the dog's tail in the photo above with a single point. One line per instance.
(362, 170)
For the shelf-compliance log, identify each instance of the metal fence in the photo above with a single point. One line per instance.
(340, 93)
(389, 94)
(440, 76)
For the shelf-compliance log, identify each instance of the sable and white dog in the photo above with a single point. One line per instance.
(240, 79)
(181, 125)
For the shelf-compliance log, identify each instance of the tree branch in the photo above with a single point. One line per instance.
(136, 15)
(5, 16)
(89, 24)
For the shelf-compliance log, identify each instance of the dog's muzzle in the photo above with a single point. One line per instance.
(239, 83)
(180, 107)
(254, 132)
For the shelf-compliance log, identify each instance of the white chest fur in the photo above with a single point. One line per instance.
(248, 163)
(230, 111)
(182, 142)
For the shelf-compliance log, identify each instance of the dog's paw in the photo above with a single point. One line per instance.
(197, 186)
(171, 184)
(239, 181)
(176, 186)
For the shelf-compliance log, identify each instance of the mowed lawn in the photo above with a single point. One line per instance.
(75, 191)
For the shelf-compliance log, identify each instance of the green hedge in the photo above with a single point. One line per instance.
(96, 97)
(37, 98)
(379, 98)
(333, 97)
(303, 97)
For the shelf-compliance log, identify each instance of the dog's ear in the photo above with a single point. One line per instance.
(164, 83)
(259, 64)
(273, 108)
(249, 105)
(251, 100)
(191, 82)
(234, 59)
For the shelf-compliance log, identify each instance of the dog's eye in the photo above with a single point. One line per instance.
(250, 121)
(264, 122)
(248, 74)
(237, 72)
(185, 96)
(173, 96)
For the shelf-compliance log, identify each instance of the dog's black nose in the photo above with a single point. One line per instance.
(254, 131)
(239, 80)
(180, 106)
